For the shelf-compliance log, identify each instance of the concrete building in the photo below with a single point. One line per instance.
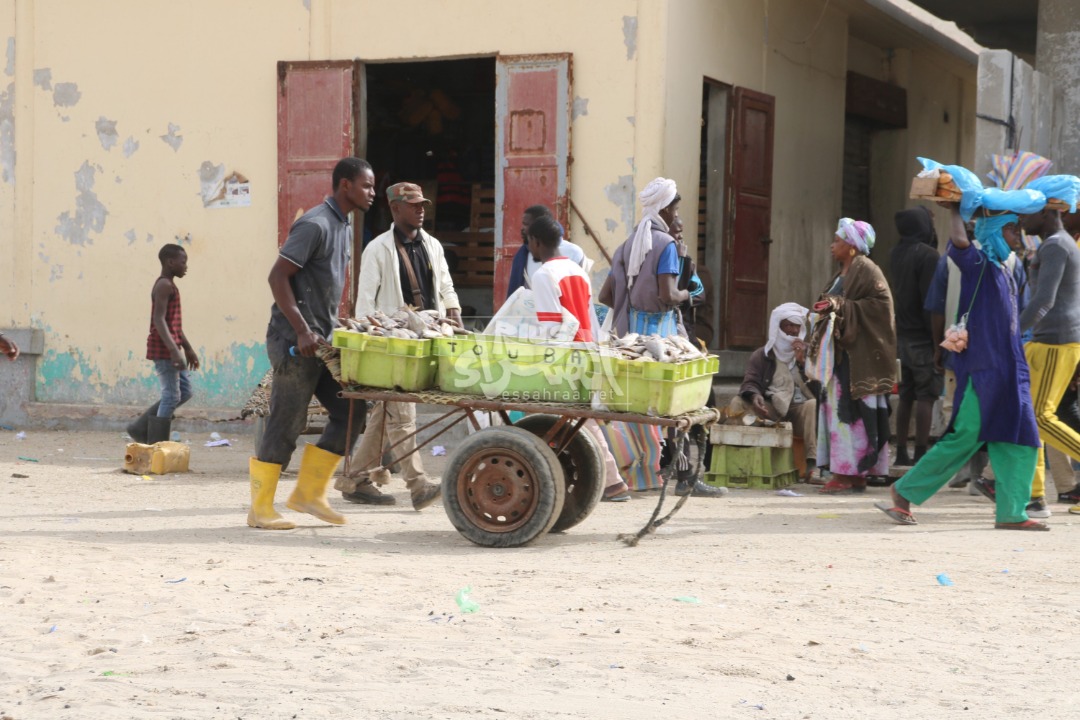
(141, 122)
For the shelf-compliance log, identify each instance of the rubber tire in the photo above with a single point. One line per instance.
(583, 468)
(549, 477)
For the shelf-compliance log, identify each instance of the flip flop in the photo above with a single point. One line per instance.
(900, 515)
(623, 496)
(1026, 525)
(839, 487)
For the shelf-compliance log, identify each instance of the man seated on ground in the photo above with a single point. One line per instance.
(775, 385)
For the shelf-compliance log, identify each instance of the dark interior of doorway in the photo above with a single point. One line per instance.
(433, 123)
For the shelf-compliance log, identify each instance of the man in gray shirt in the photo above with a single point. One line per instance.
(307, 281)
(1053, 313)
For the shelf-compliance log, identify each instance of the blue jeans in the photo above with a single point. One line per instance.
(175, 387)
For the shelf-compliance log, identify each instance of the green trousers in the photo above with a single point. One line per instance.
(1014, 465)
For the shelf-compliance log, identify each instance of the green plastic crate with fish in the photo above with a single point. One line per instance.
(515, 369)
(630, 378)
(385, 362)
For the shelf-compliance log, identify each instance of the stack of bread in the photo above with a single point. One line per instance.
(935, 185)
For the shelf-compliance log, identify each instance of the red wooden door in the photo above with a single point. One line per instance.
(315, 130)
(747, 241)
(532, 132)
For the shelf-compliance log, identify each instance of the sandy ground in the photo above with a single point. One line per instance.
(130, 598)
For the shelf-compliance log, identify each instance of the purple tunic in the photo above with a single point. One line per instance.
(994, 359)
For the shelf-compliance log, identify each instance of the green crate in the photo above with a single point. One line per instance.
(654, 388)
(753, 482)
(386, 362)
(512, 369)
(751, 467)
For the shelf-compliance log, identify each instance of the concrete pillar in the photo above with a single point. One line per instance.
(1057, 54)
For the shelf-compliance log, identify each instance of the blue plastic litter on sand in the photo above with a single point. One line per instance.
(944, 579)
(178, 580)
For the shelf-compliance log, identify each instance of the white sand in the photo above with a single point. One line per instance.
(360, 621)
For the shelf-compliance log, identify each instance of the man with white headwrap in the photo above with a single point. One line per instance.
(643, 294)
(775, 386)
(642, 289)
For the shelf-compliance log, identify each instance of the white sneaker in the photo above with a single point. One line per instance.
(1037, 509)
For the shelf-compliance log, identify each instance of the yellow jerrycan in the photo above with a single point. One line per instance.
(160, 458)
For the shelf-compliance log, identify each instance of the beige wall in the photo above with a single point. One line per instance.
(85, 212)
(736, 44)
(941, 125)
(89, 221)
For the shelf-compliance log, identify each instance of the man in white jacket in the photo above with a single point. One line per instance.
(403, 266)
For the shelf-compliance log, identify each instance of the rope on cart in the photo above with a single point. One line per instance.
(632, 539)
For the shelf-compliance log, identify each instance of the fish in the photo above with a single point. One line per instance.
(655, 346)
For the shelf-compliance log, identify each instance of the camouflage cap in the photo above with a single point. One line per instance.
(406, 192)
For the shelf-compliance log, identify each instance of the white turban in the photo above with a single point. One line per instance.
(656, 196)
(779, 341)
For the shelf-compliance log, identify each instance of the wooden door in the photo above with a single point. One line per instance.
(532, 146)
(747, 239)
(316, 120)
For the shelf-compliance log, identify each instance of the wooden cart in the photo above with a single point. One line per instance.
(506, 485)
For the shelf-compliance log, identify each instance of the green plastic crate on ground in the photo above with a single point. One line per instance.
(745, 461)
(498, 367)
(753, 482)
(751, 467)
(654, 388)
(386, 362)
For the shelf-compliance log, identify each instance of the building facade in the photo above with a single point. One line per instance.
(137, 123)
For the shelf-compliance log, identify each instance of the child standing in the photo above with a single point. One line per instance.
(169, 348)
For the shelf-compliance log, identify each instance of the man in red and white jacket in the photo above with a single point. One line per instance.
(559, 284)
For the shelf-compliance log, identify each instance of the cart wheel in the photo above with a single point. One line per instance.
(503, 487)
(583, 467)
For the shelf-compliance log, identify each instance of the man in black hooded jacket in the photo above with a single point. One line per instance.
(912, 266)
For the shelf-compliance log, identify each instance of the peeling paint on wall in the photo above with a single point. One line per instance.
(581, 107)
(7, 134)
(211, 181)
(43, 78)
(612, 224)
(621, 194)
(173, 139)
(130, 235)
(225, 379)
(629, 31)
(106, 132)
(130, 146)
(66, 94)
(89, 212)
(9, 68)
(56, 272)
(307, 5)
(632, 120)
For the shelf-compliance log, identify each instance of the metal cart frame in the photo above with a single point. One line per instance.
(507, 485)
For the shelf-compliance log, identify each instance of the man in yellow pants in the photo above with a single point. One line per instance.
(1054, 315)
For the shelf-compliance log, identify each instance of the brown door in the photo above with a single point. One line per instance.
(315, 130)
(747, 240)
(532, 145)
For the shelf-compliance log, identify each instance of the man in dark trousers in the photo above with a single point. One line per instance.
(912, 265)
(307, 281)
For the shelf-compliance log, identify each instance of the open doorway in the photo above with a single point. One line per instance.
(433, 123)
(710, 218)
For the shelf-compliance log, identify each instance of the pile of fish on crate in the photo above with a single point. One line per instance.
(414, 350)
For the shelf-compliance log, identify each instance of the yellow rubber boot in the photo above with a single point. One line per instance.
(316, 469)
(264, 479)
